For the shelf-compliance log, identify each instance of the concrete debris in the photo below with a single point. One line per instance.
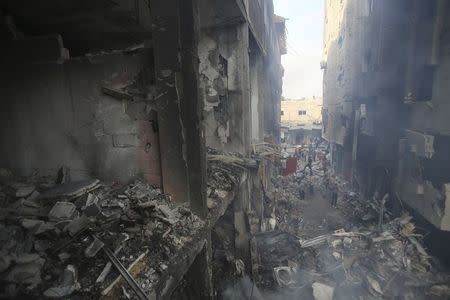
(440, 291)
(31, 223)
(322, 291)
(71, 189)
(68, 284)
(77, 225)
(91, 208)
(233, 160)
(19, 190)
(104, 273)
(335, 251)
(54, 225)
(375, 285)
(28, 273)
(285, 276)
(62, 211)
(94, 248)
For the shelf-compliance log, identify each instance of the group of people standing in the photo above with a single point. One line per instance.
(310, 155)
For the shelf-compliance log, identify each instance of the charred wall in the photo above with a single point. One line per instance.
(57, 115)
(385, 68)
(423, 172)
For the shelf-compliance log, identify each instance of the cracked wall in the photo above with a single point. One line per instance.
(223, 86)
(58, 115)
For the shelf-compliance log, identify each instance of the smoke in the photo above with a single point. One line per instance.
(245, 289)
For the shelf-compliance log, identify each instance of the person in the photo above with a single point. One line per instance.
(311, 188)
(309, 165)
(302, 194)
(334, 194)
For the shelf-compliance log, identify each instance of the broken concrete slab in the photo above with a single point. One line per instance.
(441, 290)
(24, 191)
(62, 211)
(104, 273)
(37, 226)
(322, 291)
(31, 223)
(34, 196)
(19, 190)
(93, 248)
(27, 274)
(168, 213)
(69, 284)
(71, 189)
(92, 208)
(77, 225)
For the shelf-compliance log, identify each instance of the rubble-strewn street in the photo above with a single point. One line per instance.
(225, 149)
(320, 252)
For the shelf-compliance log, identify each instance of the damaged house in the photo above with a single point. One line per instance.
(385, 100)
(127, 132)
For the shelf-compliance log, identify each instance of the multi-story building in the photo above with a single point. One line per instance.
(385, 100)
(301, 120)
(125, 90)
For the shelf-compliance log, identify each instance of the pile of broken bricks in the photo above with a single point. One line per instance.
(78, 238)
(368, 259)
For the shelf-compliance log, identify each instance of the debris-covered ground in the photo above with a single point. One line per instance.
(64, 239)
(355, 250)
(67, 239)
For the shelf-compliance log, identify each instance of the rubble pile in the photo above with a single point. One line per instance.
(369, 264)
(61, 239)
(373, 256)
(287, 205)
(224, 171)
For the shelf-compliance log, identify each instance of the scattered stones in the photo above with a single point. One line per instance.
(94, 248)
(62, 211)
(28, 274)
(57, 230)
(77, 225)
(322, 291)
(71, 189)
(92, 208)
(69, 284)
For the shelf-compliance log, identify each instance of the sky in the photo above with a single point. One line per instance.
(302, 76)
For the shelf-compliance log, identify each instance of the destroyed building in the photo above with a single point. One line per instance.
(115, 118)
(385, 100)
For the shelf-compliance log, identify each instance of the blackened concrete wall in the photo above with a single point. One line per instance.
(56, 114)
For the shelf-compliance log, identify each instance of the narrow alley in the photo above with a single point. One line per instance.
(225, 149)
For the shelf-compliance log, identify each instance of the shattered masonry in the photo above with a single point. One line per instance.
(104, 164)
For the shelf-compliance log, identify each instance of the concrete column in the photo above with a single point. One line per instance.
(192, 107)
(199, 275)
(166, 45)
(239, 92)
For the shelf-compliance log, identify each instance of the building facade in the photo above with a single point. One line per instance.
(385, 66)
(301, 120)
